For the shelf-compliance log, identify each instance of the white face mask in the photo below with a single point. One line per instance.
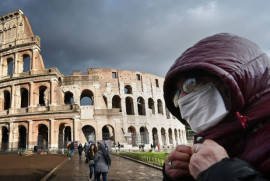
(203, 108)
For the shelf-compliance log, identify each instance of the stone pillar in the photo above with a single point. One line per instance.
(30, 144)
(135, 105)
(10, 136)
(33, 62)
(31, 94)
(150, 136)
(109, 102)
(75, 132)
(53, 137)
(123, 106)
(159, 137)
(173, 138)
(16, 65)
(98, 130)
(3, 67)
(52, 92)
(185, 136)
(13, 93)
(167, 137)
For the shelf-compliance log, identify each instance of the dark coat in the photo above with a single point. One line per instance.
(90, 155)
(245, 72)
(80, 148)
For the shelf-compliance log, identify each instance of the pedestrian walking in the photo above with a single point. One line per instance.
(118, 144)
(80, 149)
(71, 147)
(91, 160)
(103, 161)
(220, 88)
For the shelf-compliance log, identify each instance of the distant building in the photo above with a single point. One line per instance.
(42, 107)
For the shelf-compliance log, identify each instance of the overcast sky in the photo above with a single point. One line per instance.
(145, 35)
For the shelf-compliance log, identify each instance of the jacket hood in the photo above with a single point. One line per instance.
(239, 63)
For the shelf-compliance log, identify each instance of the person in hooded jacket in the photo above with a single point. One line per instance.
(80, 149)
(220, 87)
(102, 161)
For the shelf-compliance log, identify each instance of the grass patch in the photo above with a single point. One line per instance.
(155, 158)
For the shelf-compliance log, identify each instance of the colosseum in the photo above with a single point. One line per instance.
(44, 108)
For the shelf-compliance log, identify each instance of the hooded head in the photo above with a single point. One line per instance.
(238, 63)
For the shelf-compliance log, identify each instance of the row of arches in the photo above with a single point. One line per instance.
(24, 94)
(87, 98)
(173, 138)
(26, 63)
(133, 138)
(64, 135)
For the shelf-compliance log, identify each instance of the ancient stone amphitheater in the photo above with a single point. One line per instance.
(44, 108)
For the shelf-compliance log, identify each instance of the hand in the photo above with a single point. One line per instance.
(176, 164)
(205, 155)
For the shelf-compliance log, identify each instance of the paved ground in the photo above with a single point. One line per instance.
(121, 170)
(27, 168)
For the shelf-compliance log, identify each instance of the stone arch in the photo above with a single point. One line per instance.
(10, 66)
(128, 89)
(68, 99)
(108, 133)
(155, 136)
(5, 139)
(24, 97)
(141, 106)
(129, 106)
(116, 102)
(26, 63)
(7, 100)
(170, 136)
(43, 98)
(133, 136)
(89, 133)
(163, 136)
(87, 98)
(151, 105)
(22, 137)
(42, 136)
(64, 135)
(144, 135)
(160, 106)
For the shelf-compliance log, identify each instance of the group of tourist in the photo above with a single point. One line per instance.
(98, 159)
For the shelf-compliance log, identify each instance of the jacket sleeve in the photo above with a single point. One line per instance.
(231, 169)
(167, 178)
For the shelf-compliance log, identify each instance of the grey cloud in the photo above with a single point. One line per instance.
(135, 35)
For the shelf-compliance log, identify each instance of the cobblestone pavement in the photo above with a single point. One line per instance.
(121, 170)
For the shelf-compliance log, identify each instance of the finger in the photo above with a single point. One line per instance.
(196, 148)
(176, 172)
(179, 156)
(183, 148)
(180, 164)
